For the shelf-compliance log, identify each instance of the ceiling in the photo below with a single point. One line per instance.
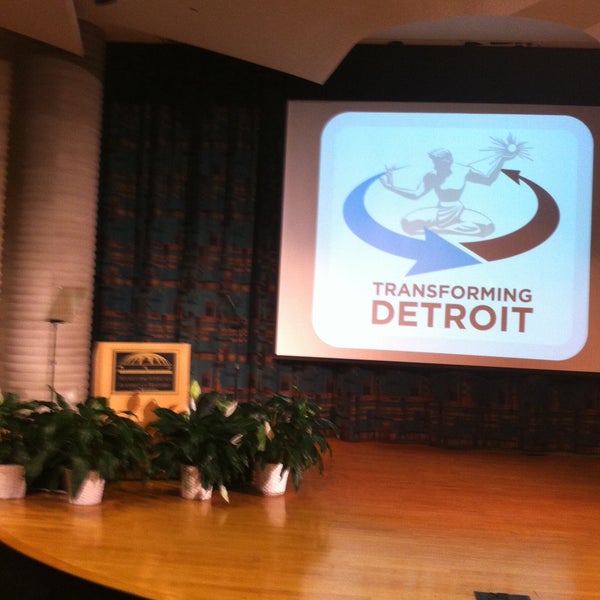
(307, 38)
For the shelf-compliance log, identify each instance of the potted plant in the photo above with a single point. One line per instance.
(90, 443)
(206, 445)
(15, 421)
(291, 438)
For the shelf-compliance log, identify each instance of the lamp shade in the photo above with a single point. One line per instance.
(65, 305)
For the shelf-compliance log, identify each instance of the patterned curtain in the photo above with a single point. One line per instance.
(188, 238)
(189, 217)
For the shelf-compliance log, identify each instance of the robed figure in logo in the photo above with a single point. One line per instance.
(448, 180)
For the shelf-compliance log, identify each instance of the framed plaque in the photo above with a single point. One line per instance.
(140, 376)
(135, 371)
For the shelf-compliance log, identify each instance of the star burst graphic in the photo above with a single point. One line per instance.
(508, 148)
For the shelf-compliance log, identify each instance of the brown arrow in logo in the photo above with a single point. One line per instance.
(532, 234)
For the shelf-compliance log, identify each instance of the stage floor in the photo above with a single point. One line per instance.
(384, 521)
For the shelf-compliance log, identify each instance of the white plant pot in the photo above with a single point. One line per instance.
(12, 482)
(90, 492)
(272, 480)
(191, 484)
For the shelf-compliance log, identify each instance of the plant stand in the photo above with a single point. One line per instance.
(90, 492)
(12, 482)
(272, 480)
(191, 484)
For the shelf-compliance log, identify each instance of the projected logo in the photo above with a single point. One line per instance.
(478, 243)
(450, 216)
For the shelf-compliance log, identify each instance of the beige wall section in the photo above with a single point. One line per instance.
(50, 216)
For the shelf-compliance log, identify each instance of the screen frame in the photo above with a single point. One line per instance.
(306, 119)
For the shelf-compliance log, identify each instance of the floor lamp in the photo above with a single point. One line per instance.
(63, 310)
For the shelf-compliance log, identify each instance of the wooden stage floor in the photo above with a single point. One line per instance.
(384, 521)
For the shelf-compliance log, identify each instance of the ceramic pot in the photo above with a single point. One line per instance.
(272, 480)
(191, 484)
(90, 492)
(12, 482)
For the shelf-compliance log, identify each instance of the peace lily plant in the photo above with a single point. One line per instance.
(210, 436)
(89, 436)
(16, 419)
(292, 433)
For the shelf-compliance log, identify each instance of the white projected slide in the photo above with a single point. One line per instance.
(439, 234)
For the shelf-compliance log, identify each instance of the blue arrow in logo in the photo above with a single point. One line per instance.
(433, 253)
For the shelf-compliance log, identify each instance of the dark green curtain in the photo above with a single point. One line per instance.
(188, 238)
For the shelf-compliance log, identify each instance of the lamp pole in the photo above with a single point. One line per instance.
(54, 323)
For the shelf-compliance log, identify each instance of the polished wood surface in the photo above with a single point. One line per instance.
(383, 521)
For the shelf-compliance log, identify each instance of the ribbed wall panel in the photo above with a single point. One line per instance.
(51, 220)
(5, 96)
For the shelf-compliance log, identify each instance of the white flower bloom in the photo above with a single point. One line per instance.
(224, 494)
(195, 390)
(236, 440)
(269, 431)
(230, 408)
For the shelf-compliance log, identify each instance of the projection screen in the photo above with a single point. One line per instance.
(435, 233)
